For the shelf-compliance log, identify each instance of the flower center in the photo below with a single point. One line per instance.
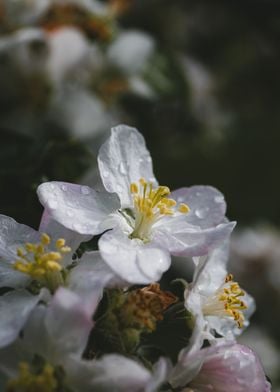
(30, 381)
(150, 205)
(43, 265)
(226, 302)
(144, 307)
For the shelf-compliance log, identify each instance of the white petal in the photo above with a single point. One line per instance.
(12, 236)
(183, 239)
(79, 208)
(131, 51)
(207, 205)
(15, 308)
(93, 273)
(210, 272)
(233, 368)
(55, 230)
(123, 373)
(124, 159)
(132, 260)
(69, 319)
(9, 277)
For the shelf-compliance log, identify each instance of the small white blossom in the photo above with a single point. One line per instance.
(217, 303)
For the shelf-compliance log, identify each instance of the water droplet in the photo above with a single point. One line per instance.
(119, 188)
(105, 173)
(148, 159)
(201, 212)
(180, 199)
(219, 199)
(197, 194)
(122, 169)
(52, 204)
(64, 188)
(70, 213)
(77, 226)
(52, 186)
(85, 190)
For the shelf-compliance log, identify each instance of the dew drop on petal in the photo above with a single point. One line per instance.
(197, 194)
(64, 188)
(70, 213)
(219, 199)
(122, 169)
(148, 159)
(85, 190)
(52, 204)
(119, 188)
(105, 173)
(52, 186)
(201, 213)
(76, 226)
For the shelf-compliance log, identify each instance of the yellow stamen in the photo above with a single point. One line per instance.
(226, 302)
(150, 205)
(28, 381)
(60, 243)
(40, 263)
(183, 208)
(133, 188)
(45, 239)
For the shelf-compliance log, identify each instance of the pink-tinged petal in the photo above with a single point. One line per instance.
(92, 273)
(182, 239)
(233, 368)
(15, 308)
(124, 159)
(207, 205)
(68, 319)
(228, 367)
(77, 207)
(12, 236)
(132, 260)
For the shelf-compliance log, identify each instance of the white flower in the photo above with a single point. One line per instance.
(218, 304)
(50, 351)
(148, 222)
(231, 368)
(28, 257)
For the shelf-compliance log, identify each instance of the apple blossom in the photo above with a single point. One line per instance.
(148, 222)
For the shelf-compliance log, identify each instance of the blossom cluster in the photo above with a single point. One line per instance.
(72, 62)
(91, 303)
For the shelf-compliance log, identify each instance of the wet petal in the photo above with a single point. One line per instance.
(207, 205)
(232, 368)
(69, 319)
(79, 208)
(55, 230)
(132, 260)
(92, 273)
(182, 239)
(12, 236)
(15, 308)
(9, 277)
(124, 159)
